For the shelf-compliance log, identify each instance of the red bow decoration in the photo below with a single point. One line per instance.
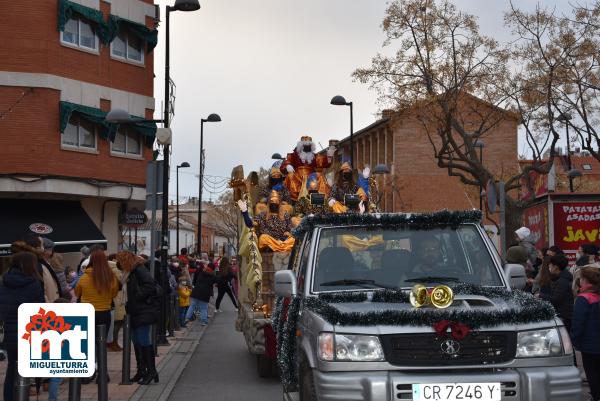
(458, 331)
(45, 321)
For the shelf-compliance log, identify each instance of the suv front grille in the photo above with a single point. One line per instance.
(477, 348)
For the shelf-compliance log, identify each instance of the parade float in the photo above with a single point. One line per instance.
(304, 183)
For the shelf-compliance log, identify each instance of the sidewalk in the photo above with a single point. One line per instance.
(170, 361)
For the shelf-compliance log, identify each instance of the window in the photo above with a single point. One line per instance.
(79, 133)
(127, 142)
(354, 258)
(586, 166)
(80, 33)
(128, 47)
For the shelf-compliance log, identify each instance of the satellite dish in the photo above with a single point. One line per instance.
(492, 196)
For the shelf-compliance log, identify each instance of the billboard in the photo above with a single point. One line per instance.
(536, 219)
(576, 223)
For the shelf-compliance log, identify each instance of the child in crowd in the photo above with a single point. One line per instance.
(184, 290)
(585, 327)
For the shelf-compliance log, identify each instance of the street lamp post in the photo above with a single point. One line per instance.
(180, 5)
(380, 169)
(121, 116)
(565, 118)
(182, 165)
(340, 101)
(479, 144)
(212, 118)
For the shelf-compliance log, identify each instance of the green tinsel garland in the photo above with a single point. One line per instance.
(422, 221)
(521, 308)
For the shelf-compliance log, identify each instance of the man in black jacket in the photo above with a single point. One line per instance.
(201, 293)
(561, 295)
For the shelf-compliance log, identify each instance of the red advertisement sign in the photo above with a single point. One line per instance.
(538, 182)
(576, 223)
(536, 219)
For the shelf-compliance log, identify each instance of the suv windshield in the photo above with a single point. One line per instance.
(353, 258)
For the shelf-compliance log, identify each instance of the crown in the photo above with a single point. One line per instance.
(306, 138)
(345, 167)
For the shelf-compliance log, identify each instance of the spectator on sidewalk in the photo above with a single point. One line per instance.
(523, 236)
(586, 327)
(184, 290)
(224, 284)
(98, 286)
(22, 283)
(55, 262)
(586, 255)
(143, 304)
(118, 311)
(33, 243)
(85, 254)
(559, 293)
(201, 294)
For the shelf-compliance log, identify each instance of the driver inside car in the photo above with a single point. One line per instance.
(430, 261)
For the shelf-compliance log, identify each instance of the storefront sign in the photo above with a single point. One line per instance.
(40, 228)
(576, 223)
(133, 218)
(536, 219)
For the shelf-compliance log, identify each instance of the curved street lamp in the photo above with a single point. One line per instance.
(212, 118)
(339, 100)
(186, 5)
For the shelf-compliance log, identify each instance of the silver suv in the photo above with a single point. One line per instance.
(347, 331)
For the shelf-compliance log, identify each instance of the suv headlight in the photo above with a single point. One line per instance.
(536, 343)
(349, 347)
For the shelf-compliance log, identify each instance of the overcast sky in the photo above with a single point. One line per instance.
(269, 68)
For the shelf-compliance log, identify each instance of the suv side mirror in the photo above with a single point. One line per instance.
(285, 283)
(516, 276)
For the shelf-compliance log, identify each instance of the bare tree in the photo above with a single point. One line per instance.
(559, 54)
(224, 216)
(463, 81)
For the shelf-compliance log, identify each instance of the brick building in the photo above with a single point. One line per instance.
(416, 183)
(63, 66)
(188, 214)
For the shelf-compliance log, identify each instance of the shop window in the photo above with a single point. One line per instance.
(126, 46)
(127, 142)
(79, 134)
(79, 33)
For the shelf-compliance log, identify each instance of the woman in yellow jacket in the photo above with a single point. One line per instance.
(98, 286)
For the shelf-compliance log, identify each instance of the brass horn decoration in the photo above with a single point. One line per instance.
(419, 296)
(441, 296)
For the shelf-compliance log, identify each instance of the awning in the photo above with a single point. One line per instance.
(64, 222)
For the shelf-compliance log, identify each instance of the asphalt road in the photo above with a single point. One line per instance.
(222, 369)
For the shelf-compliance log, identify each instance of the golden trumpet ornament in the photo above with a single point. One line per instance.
(419, 296)
(441, 296)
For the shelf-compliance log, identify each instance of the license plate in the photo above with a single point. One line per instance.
(457, 392)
